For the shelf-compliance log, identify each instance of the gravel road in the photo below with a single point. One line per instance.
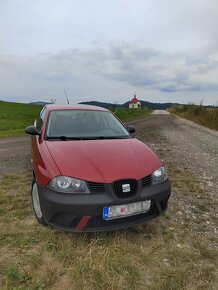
(14, 154)
(183, 142)
(174, 138)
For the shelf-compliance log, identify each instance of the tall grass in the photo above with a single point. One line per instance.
(199, 114)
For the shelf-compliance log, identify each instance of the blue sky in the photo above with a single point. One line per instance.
(164, 50)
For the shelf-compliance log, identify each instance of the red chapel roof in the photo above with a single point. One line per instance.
(134, 100)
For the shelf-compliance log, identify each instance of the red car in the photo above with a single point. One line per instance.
(90, 173)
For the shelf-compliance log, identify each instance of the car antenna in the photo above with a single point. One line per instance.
(66, 97)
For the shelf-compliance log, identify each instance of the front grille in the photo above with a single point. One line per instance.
(119, 190)
(146, 181)
(97, 223)
(96, 187)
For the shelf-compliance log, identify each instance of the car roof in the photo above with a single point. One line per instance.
(55, 107)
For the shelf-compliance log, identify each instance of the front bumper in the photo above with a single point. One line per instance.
(73, 212)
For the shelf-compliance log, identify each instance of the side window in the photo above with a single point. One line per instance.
(41, 119)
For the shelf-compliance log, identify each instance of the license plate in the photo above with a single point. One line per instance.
(119, 211)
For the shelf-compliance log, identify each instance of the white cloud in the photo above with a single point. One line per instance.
(164, 49)
(95, 73)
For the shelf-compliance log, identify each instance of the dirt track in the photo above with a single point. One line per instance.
(14, 154)
(172, 137)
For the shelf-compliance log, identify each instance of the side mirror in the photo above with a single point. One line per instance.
(32, 130)
(131, 129)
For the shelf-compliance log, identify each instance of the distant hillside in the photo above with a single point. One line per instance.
(101, 104)
(39, 103)
(155, 106)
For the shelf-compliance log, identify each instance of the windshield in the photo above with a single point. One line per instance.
(84, 124)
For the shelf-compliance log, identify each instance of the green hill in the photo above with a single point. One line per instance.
(14, 117)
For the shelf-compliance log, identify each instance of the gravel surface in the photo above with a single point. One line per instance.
(197, 148)
(14, 155)
(190, 152)
(183, 142)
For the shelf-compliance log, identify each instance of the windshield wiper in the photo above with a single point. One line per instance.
(66, 138)
(110, 137)
(63, 138)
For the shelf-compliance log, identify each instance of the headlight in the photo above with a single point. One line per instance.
(159, 175)
(68, 185)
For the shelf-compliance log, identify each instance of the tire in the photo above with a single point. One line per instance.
(36, 204)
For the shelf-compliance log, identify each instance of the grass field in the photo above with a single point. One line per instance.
(127, 115)
(165, 254)
(15, 117)
(207, 117)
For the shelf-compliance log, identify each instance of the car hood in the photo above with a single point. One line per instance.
(104, 160)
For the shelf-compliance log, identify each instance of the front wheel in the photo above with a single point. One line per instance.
(36, 204)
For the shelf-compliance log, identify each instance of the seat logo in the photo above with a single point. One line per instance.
(126, 188)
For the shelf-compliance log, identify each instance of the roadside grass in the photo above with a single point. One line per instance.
(176, 251)
(15, 117)
(127, 115)
(207, 117)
